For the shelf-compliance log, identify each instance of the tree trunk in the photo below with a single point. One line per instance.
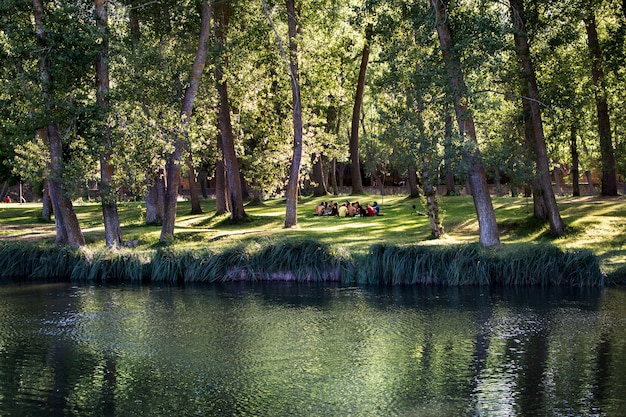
(112, 229)
(450, 183)
(488, 228)
(355, 167)
(609, 177)
(575, 161)
(67, 227)
(432, 206)
(291, 211)
(557, 227)
(414, 191)
(592, 190)
(231, 165)
(318, 176)
(194, 196)
(174, 161)
(557, 181)
(46, 211)
(155, 200)
(221, 206)
(333, 176)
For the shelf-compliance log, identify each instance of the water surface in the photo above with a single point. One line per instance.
(293, 350)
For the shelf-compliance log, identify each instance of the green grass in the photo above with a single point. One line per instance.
(207, 242)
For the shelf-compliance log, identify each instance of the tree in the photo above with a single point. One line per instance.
(112, 229)
(291, 212)
(488, 228)
(231, 165)
(557, 226)
(174, 161)
(68, 229)
(609, 179)
(355, 167)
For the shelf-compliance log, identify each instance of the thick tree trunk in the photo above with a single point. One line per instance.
(450, 183)
(112, 229)
(355, 167)
(557, 226)
(155, 200)
(609, 177)
(488, 228)
(174, 161)
(231, 164)
(575, 160)
(67, 227)
(291, 211)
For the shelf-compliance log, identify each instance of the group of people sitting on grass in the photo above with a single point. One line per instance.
(347, 209)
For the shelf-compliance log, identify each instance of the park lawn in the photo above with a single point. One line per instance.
(597, 224)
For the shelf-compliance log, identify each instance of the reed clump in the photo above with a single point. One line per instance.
(471, 264)
(309, 261)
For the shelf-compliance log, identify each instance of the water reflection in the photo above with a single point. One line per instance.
(275, 350)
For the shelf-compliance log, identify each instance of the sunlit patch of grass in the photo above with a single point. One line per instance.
(595, 224)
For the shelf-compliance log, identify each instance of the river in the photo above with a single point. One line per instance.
(308, 350)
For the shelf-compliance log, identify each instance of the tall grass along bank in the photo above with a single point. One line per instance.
(308, 261)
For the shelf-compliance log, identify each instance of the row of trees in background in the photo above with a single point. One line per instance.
(135, 93)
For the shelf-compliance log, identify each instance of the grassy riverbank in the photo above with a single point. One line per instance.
(350, 250)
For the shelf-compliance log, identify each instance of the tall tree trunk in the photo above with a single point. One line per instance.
(488, 228)
(174, 160)
(318, 176)
(575, 160)
(355, 167)
(609, 177)
(112, 229)
(557, 226)
(222, 18)
(46, 211)
(194, 195)
(557, 181)
(333, 176)
(428, 183)
(67, 227)
(155, 200)
(592, 190)
(291, 211)
(449, 128)
(221, 205)
(412, 180)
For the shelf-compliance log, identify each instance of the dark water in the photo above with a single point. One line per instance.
(288, 350)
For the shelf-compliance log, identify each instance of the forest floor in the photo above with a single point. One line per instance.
(594, 223)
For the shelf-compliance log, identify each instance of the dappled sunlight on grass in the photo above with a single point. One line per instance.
(593, 223)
